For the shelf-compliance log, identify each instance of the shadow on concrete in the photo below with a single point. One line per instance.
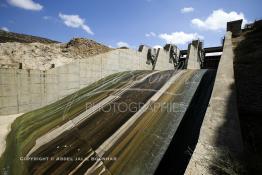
(230, 157)
(248, 75)
(228, 154)
(184, 142)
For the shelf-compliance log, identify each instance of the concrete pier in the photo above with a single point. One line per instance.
(194, 55)
(220, 141)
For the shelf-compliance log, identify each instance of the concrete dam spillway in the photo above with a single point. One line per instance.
(125, 112)
(104, 130)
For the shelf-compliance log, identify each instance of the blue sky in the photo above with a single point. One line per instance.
(132, 22)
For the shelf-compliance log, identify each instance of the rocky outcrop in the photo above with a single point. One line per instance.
(43, 56)
(22, 38)
(85, 47)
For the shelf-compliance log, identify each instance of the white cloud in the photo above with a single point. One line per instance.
(122, 44)
(179, 37)
(47, 17)
(218, 20)
(187, 10)
(5, 29)
(151, 34)
(75, 21)
(26, 4)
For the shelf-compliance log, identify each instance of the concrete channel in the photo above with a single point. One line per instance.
(108, 139)
(96, 129)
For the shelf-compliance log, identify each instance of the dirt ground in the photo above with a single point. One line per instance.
(5, 126)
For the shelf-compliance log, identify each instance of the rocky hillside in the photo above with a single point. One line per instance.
(40, 53)
(84, 47)
(21, 38)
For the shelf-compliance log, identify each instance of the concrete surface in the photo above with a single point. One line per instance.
(163, 61)
(193, 59)
(83, 116)
(25, 90)
(220, 139)
(117, 135)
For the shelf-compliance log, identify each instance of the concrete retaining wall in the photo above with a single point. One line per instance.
(220, 143)
(25, 90)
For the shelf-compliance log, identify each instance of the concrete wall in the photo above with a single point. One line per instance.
(220, 141)
(25, 90)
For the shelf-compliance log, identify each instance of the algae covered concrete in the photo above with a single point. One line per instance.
(28, 127)
(5, 127)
